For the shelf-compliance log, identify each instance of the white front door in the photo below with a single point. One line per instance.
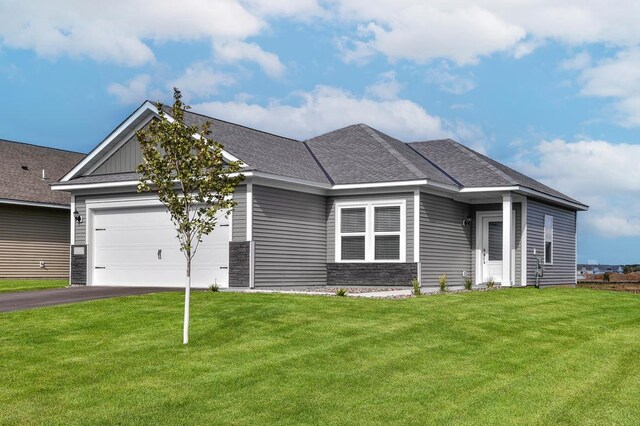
(491, 254)
(138, 247)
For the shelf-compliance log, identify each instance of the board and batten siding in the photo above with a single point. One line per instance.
(289, 231)
(563, 269)
(29, 235)
(331, 219)
(125, 159)
(497, 207)
(239, 215)
(445, 243)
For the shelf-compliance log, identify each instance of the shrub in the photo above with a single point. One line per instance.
(341, 292)
(468, 283)
(416, 287)
(443, 282)
(491, 282)
(214, 288)
(606, 277)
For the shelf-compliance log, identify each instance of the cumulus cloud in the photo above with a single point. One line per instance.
(236, 51)
(599, 173)
(448, 81)
(328, 108)
(200, 80)
(134, 91)
(386, 88)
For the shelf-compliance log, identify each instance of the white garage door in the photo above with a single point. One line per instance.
(138, 247)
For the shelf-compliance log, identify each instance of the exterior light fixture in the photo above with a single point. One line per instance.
(77, 216)
(466, 221)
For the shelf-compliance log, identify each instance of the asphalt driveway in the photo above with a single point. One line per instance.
(61, 296)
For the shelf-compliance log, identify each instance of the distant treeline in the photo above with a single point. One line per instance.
(631, 268)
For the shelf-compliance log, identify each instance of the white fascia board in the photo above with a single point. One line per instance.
(489, 189)
(33, 204)
(378, 184)
(81, 186)
(533, 192)
(146, 106)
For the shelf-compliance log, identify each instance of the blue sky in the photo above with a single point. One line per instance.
(552, 90)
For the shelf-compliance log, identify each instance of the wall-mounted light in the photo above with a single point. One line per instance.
(77, 216)
(466, 221)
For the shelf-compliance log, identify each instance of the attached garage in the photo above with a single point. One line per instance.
(137, 246)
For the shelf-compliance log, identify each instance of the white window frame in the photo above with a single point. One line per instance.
(370, 234)
(544, 239)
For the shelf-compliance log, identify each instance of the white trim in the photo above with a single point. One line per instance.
(507, 242)
(416, 227)
(33, 204)
(369, 234)
(146, 106)
(489, 189)
(72, 233)
(378, 184)
(81, 186)
(249, 211)
(478, 249)
(523, 243)
(577, 206)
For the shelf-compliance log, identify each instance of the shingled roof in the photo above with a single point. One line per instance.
(21, 168)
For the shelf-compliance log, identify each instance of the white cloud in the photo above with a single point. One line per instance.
(236, 51)
(134, 91)
(448, 81)
(200, 80)
(617, 78)
(124, 32)
(578, 62)
(328, 108)
(386, 88)
(601, 174)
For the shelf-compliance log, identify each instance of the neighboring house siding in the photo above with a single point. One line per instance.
(29, 235)
(289, 230)
(518, 242)
(239, 215)
(331, 219)
(445, 244)
(125, 159)
(563, 270)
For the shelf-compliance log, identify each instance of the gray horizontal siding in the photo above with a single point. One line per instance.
(331, 219)
(289, 230)
(563, 270)
(239, 215)
(125, 159)
(445, 244)
(29, 235)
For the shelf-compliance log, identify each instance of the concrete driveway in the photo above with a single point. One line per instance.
(62, 296)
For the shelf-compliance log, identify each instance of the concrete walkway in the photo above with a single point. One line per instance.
(61, 296)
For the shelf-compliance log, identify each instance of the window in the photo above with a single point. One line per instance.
(370, 232)
(548, 239)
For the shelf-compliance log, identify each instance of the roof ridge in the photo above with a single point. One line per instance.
(42, 146)
(408, 164)
(189, 111)
(440, 169)
(471, 153)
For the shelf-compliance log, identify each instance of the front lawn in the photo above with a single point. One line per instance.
(10, 285)
(515, 356)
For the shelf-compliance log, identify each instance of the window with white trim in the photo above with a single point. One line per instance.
(548, 239)
(370, 232)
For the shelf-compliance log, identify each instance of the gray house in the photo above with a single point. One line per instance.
(34, 221)
(350, 207)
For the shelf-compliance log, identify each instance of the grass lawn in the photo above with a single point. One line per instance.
(504, 357)
(9, 285)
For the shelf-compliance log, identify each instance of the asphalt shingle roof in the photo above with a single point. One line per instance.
(19, 184)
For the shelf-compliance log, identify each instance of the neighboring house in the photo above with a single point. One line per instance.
(586, 269)
(350, 207)
(34, 221)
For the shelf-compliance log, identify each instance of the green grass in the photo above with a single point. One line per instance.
(9, 285)
(566, 356)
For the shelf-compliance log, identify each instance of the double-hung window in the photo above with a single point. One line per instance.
(548, 239)
(370, 232)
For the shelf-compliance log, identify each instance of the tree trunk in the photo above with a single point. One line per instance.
(187, 294)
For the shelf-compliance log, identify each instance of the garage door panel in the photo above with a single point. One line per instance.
(138, 246)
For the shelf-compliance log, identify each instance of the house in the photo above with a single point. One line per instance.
(352, 207)
(588, 269)
(34, 221)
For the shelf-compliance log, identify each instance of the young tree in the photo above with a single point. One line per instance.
(190, 177)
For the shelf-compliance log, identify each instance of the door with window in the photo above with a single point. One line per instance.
(492, 248)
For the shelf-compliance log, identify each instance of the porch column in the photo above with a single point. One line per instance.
(507, 206)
